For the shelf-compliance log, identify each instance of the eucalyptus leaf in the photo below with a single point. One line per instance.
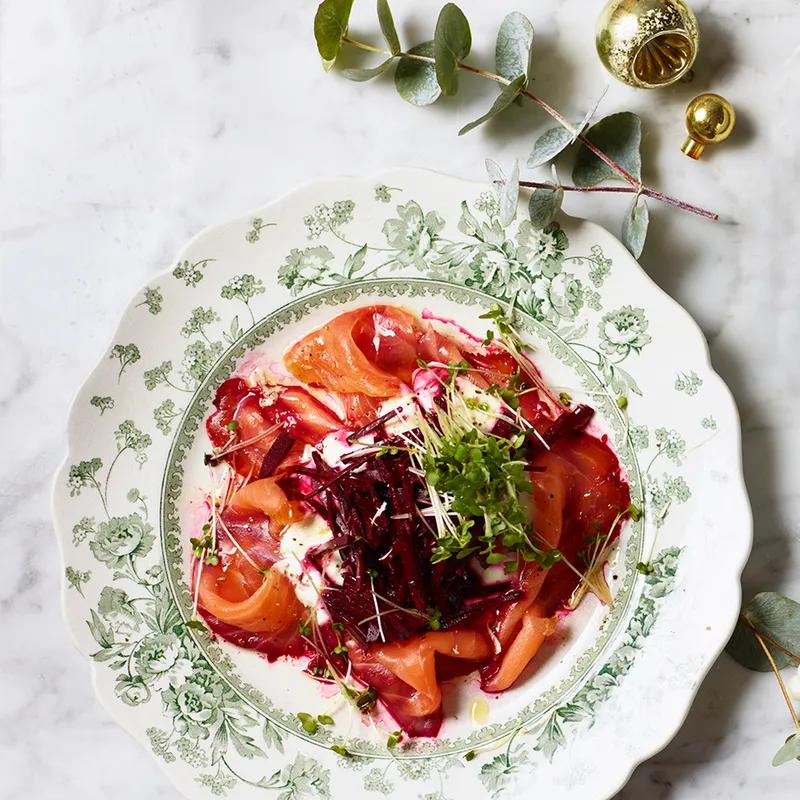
(512, 53)
(495, 172)
(634, 226)
(619, 136)
(387, 26)
(452, 42)
(549, 145)
(509, 197)
(367, 73)
(544, 205)
(503, 101)
(330, 27)
(789, 751)
(414, 80)
(589, 115)
(775, 617)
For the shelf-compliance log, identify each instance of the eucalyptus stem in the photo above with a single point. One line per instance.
(615, 189)
(777, 672)
(636, 185)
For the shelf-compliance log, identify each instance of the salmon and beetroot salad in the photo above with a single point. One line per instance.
(397, 503)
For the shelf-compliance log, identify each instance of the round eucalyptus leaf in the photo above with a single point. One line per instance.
(775, 617)
(634, 226)
(544, 205)
(330, 27)
(414, 80)
(549, 145)
(619, 136)
(513, 50)
(452, 41)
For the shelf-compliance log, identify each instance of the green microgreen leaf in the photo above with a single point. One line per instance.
(452, 41)
(388, 29)
(195, 625)
(366, 700)
(470, 755)
(307, 722)
(330, 28)
(645, 568)
(394, 738)
(634, 226)
(549, 145)
(512, 52)
(324, 719)
(619, 136)
(367, 73)
(789, 751)
(775, 617)
(414, 80)
(341, 751)
(232, 426)
(634, 512)
(544, 205)
(502, 102)
(565, 398)
(483, 478)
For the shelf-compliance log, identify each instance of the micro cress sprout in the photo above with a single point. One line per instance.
(609, 149)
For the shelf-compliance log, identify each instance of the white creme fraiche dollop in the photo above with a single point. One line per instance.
(296, 541)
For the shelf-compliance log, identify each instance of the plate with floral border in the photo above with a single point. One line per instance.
(221, 721)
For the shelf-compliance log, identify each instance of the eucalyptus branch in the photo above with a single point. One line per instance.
(777, 672)
(636, 186)
(613, 189)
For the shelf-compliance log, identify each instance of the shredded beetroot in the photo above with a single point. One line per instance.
(371, 505)
(276, 454)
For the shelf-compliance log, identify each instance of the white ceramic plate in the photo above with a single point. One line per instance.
(617, 684)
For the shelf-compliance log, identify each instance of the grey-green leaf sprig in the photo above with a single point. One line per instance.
(608, 150)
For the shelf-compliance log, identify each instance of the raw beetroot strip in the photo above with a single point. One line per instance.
(277, 452)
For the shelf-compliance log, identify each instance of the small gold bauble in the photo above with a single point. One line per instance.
(647, 43)
(709, 120)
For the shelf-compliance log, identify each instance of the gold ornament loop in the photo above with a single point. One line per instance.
(647, 43)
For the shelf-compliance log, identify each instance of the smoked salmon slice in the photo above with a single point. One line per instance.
(388, 338)
(413, 661)
(267, 497)
(330, 357)
(272, 608)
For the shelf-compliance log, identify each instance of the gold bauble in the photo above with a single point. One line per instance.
(709, 120)
(647, 43)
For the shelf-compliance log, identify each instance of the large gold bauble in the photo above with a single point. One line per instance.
(647, 43)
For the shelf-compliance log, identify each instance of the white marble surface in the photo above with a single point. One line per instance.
(125, 127)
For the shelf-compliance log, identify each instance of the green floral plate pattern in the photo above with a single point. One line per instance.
(619, 681)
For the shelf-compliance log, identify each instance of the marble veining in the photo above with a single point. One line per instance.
(127, 126)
